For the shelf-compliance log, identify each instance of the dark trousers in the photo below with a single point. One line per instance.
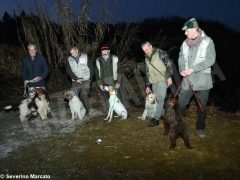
(105, 97)
(184, 98)
(82, 90)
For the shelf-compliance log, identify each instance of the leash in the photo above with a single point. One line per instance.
(179, 87)
(195, 95)
(198, 101)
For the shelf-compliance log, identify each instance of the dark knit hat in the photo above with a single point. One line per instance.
(191, 23)
(104, 47)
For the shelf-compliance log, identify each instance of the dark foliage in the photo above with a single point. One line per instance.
(165, 33)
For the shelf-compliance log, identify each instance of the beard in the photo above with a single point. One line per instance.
(105, 56)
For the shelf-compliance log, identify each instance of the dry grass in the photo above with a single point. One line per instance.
(53, 39)
(73, 28)
(131, 150)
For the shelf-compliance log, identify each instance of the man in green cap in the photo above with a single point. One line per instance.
(196, 57)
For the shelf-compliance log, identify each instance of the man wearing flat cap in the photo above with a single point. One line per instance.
(107, 71)
(196, 57)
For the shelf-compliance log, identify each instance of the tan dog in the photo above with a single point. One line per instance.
(76, 106)
(150, 107)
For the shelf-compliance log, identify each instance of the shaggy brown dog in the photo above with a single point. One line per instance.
(38, 92)
(173, 124)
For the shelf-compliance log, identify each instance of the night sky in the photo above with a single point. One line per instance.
(225, 11)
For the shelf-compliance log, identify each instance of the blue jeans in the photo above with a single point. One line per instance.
(159, 89)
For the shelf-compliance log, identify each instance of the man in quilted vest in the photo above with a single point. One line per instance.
(80, 69)
(196, 57)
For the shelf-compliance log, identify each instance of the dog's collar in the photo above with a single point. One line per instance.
(112, 93)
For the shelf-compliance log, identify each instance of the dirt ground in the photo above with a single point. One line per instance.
(132, 150)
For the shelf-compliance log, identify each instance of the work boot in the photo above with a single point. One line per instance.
(153, 122)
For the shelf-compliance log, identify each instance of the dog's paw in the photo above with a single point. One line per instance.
(123, 118)
(109, 120)
(141, 118)
(22, 119)
(105, 118)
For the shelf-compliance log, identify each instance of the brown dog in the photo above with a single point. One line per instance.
(173, 124)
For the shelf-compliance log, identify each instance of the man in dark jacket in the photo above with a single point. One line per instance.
(81, 71)
(34, 69)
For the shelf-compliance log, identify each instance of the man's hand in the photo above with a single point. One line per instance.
(79, 81)
(169, 82)
(183, 73)
(189, 71)
(101, 87)
(25, 82)
(38, 78)
(148, 90)
(186, 72)
(117, 85)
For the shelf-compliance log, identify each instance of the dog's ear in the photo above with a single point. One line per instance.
(147, 97)
(37, 91)
(45, 91)
(154, 96)
(110, 88)
(65, 95)
(72, 94)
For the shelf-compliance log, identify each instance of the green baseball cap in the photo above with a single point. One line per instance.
(191, 23)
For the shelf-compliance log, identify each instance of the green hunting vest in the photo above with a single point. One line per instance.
(154, 75)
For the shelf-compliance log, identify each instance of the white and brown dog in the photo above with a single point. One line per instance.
(39, 103)
(115, 105)
(76, 106)
(150, 107)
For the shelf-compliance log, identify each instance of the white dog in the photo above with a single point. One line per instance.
(24, 110)
(76, 106)
(39, 103)
(115, 105)
(150, 107)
